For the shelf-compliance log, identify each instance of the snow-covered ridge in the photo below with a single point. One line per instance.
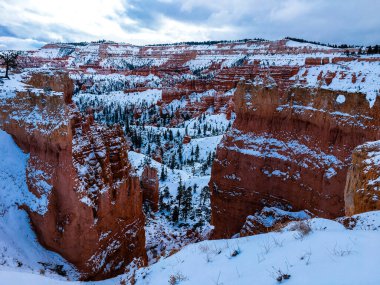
(352, 76)
(359, 73)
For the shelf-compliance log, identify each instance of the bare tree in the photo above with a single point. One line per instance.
(9, 59)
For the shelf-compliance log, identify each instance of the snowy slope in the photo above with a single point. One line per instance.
(328, 254)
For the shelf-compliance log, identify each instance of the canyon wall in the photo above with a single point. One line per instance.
(89, 206)
(150, 187)
(363, 180)
(290, 148)
(300, 111)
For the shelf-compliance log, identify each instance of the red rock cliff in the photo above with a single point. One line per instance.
(290, 147)
(94, 215)
(150, 187)
(363, 180)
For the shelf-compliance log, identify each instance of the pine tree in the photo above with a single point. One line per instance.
(172, 162)
(180, 153)
(163, 173)
(204, 196)
(186, 203)
(149, 150)
(197, 153)
(165, 194)
(179, 196)
(158, 140)
(204, 168)
(175, 214)
(127, 127)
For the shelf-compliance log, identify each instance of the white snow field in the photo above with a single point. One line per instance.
(329, 254)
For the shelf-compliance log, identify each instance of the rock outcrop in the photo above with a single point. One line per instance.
(92, 213)
(290, 147)
(362, 192)
(270, 219)
(150, 187)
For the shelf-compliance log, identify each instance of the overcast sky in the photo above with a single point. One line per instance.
(27, 24)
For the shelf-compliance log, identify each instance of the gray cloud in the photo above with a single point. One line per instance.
(148, 12)
(154, 21)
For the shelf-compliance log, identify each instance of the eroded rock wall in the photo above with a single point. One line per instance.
(150, 187)
(287, 147)
(91, 211)
(362, 192)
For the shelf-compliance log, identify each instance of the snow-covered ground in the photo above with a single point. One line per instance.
(328, 254)
(149, 97)
(318, 251)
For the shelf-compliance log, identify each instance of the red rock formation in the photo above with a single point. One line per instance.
(316, 61)
(94, 216)
(169, 95)
(186, 140)
(270, 219)
(363, 180)
(289, 147)
(305, 135)
(150, 187)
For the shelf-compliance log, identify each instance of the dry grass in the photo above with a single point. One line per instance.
(176, 278)
(303, 229)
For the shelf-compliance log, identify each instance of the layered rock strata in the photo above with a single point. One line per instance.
(89, 206)
(289, 147)
(150, 187)
(362, 192)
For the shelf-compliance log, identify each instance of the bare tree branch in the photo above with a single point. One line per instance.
(9, 59)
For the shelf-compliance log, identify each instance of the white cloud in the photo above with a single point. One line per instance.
(19, 44)
(88, 18)
(291, 10)
(157, 21)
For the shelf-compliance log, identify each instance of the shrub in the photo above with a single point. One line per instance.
(176, 278)
(281, 276)
(303, 228)
(235, 252)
